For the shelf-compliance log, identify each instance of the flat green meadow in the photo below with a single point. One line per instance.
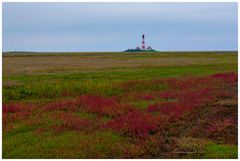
(25, 82)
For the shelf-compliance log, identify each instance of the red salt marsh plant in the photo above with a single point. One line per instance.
(12, 108)
(230, 77)
(72, 122)
(145, 96)
(5, 122)
(137, 124)
(186, 100)
(169, 94)
(168, 108)
(107, 106)
(17, 111)
(65, 105)
(193, 83)
(197, 97)
(188, 95)
(153, 108)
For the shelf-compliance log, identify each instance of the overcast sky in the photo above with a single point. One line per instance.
(118, 26)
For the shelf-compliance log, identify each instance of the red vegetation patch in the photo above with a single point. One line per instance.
(186, 94)
(145, 97)
(230, 77)
(171, 108)
(106, 106)
(72, 122)
(198, 97)
(153, 107)
(168, 108)
(193, 92)
(18, 110)
(186, 101)
(12, 108)
(15, 112)
(66, 105)
(169, 94)
(103, 105)
(196, 83)
(136, 124)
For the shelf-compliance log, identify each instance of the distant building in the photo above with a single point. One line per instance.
(149, 48)
(137, 48)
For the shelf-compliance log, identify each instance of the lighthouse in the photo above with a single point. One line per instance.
(143, 42)
(142, 48)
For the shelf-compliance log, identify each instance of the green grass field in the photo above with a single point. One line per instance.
(69, 105)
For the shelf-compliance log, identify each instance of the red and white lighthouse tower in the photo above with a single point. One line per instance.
(143, 42)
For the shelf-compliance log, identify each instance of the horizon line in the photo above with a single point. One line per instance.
(21, 51)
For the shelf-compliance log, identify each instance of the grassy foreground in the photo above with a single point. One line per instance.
(120, 105)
